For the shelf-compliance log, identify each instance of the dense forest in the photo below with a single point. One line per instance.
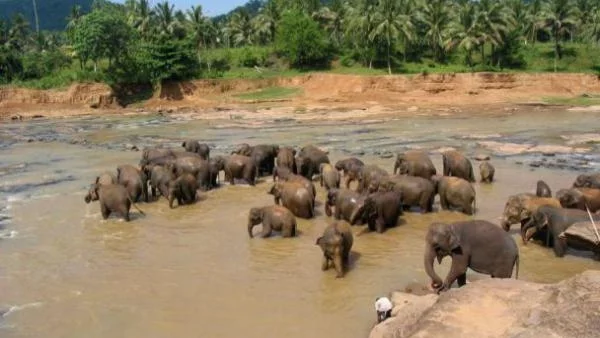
(135, 43)
(51, 13)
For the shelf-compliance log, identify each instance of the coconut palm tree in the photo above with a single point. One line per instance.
(140, 16)
(265, 23)
(391, 25)
(437, 17)
(240, 28)
(18, 33)
(359, 24)
(534, 20)
(496, 19)
(560, 18)
(465, 32)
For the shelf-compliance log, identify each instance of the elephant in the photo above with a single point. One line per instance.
(577, 237)
(330, 178)
(284, 174)
(542, 189)
(455, 192)
(160, 177)
(351, 168)
(476, 244)
(486, 171)
(520, 207)
(414, 163)
(295, 197)
(113, 198)
(194, 146)
(369, 174)
(457, 165)
(555, 220)
(151, 153)
(587, 181)
(579, 198)
(273, 217)
(216, 165)
(380, 210)
(336, 243)
(184, 188)
(262, 154)
(194, 165)
(346, 202)
(286, 158)
(135, 181)
(106, 178)
(416, 191)
(309, 160)
(241, 167)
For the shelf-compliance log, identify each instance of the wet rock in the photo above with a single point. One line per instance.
(494, 307)
(536, 164)
(519, 162)
(588, 138)
(482, 157)
(131, 147)
(37, 116)
(508, 149)
(443, 149)
(358, 152)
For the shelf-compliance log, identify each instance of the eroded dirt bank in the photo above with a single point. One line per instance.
(500, 308)
(363, 95)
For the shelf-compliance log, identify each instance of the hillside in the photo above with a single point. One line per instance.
(52, 13)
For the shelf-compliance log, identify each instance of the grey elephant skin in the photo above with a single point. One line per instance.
(241, 167)
(414, 163)
(381, 210)
(336, 243)
(416, 191)
(542, 189)
(193, 146)
(273, 218)
(456, 193)
(587, 181)
(480, 245)
(520, 207)
(263, 156)
(285, 174)
(286, 158)
(135, 181)
(346, 203)
(369, 176)
(457, 165)
(329, 178)
(294, 196)
(579, 198)
(555, 220)
(351, 168)
(184, 189)
(486, 172)
(309, 160)
(113, 198)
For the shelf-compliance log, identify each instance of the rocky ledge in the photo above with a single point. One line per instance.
(500, 308)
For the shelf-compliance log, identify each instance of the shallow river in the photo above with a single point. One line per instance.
(193, 271)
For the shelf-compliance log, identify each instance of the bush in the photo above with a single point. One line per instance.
(300, 39)
(39, 64)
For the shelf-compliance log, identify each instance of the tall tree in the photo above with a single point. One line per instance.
(560, 18)
(360, 22)
(391, 25)
(437, 18)
(466, 30)
(267, 19)
(240, 28)
(37, 18)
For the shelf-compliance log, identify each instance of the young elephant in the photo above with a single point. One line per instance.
(106, 178)
(336, 243)
(456, 193)
(286, 159)
(457, 165)
(241, 167)
(416, 191)
(294, 196)
(285, 174)
(587, 181)
(135, 181)
(184, 189)
(414, 163)
(486, 170)
(330, 178)
(542, 189)
(159, 180)
(351, 167)
(520, 207)
(194, 146)
(479, 245)
(368, 174)
(346, 202)
(216, 165)
(381, 210)
(273, 217)
(113, 198)
(579, 198)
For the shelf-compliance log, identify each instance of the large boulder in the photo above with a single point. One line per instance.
(500, 308)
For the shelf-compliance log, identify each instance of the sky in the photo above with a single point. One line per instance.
(209, 7)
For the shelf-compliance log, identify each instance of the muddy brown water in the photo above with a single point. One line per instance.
(193, 271)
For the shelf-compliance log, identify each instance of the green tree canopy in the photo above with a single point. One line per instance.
(301, 41)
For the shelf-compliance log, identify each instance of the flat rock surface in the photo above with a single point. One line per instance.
(500, 308)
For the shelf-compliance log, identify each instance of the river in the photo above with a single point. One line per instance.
(193, 271)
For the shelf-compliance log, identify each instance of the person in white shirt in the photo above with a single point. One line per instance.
(384, 307)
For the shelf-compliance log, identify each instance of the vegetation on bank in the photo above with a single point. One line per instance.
(133, 44)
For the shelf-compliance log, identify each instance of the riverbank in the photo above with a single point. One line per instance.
(495, 308)
(341, 96)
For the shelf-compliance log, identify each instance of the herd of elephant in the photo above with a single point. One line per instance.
(378, 200)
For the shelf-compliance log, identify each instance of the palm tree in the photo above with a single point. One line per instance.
(265, 23)
(466, 30)
(18, 34)
(437, 18)
(359, 24)
(560, 18)
(592, 28)
(390, 25)
(166, 18)
(496, 20)
(240, 28)
(140, 16)
(534, 20)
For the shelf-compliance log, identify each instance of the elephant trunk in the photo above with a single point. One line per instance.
(429, 257)
(250, 227)
(328, 209)
(357, 214)
(525, 233)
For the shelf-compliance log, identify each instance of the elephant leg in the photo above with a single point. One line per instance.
(104, 210)
(153, 191)
(560, 246)
(444, 203)
(266, 230)
(325, 264)
(338, 265)
(380, 225)
(287, 231)
(459, 267)
(337, 214)
(348, 181)
(125, 213)
(462, 279)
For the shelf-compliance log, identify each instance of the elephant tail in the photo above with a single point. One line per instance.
(135, 206)
(517, 267)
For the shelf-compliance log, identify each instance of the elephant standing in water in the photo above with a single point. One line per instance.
(309, 161)
(346, 203)
(587, 181)
(457, 165)
(414, 163)
(479, 245)
(241, 167)
(456, 193)
(486, 171)
(273, 217)
(113, 198)
(381, 210)
(336, 243)
(330, 178)
(351, 168)
(194, 146)
(286, 158)
(135, 181)
(579, 198)
(263, 156)
(184, 189)
(294, 196)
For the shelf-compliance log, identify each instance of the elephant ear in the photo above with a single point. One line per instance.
(453, 242)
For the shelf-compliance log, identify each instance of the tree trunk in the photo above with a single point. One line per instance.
(95, 66)
(483, 53)
(37, 19)
(556, 51)
(389, 61)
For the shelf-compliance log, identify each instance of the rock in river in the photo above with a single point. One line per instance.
(500, 308)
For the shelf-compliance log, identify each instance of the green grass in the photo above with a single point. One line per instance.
(270, 93)
(587, 100)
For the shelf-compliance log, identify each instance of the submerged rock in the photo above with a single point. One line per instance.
(499, 308)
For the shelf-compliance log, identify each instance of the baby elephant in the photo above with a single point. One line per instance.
(184, 189)
(486, 170)
(273, 217)
(480, 245)
(336, 243)
(113, 198)
(542, 189)
(330, 177)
